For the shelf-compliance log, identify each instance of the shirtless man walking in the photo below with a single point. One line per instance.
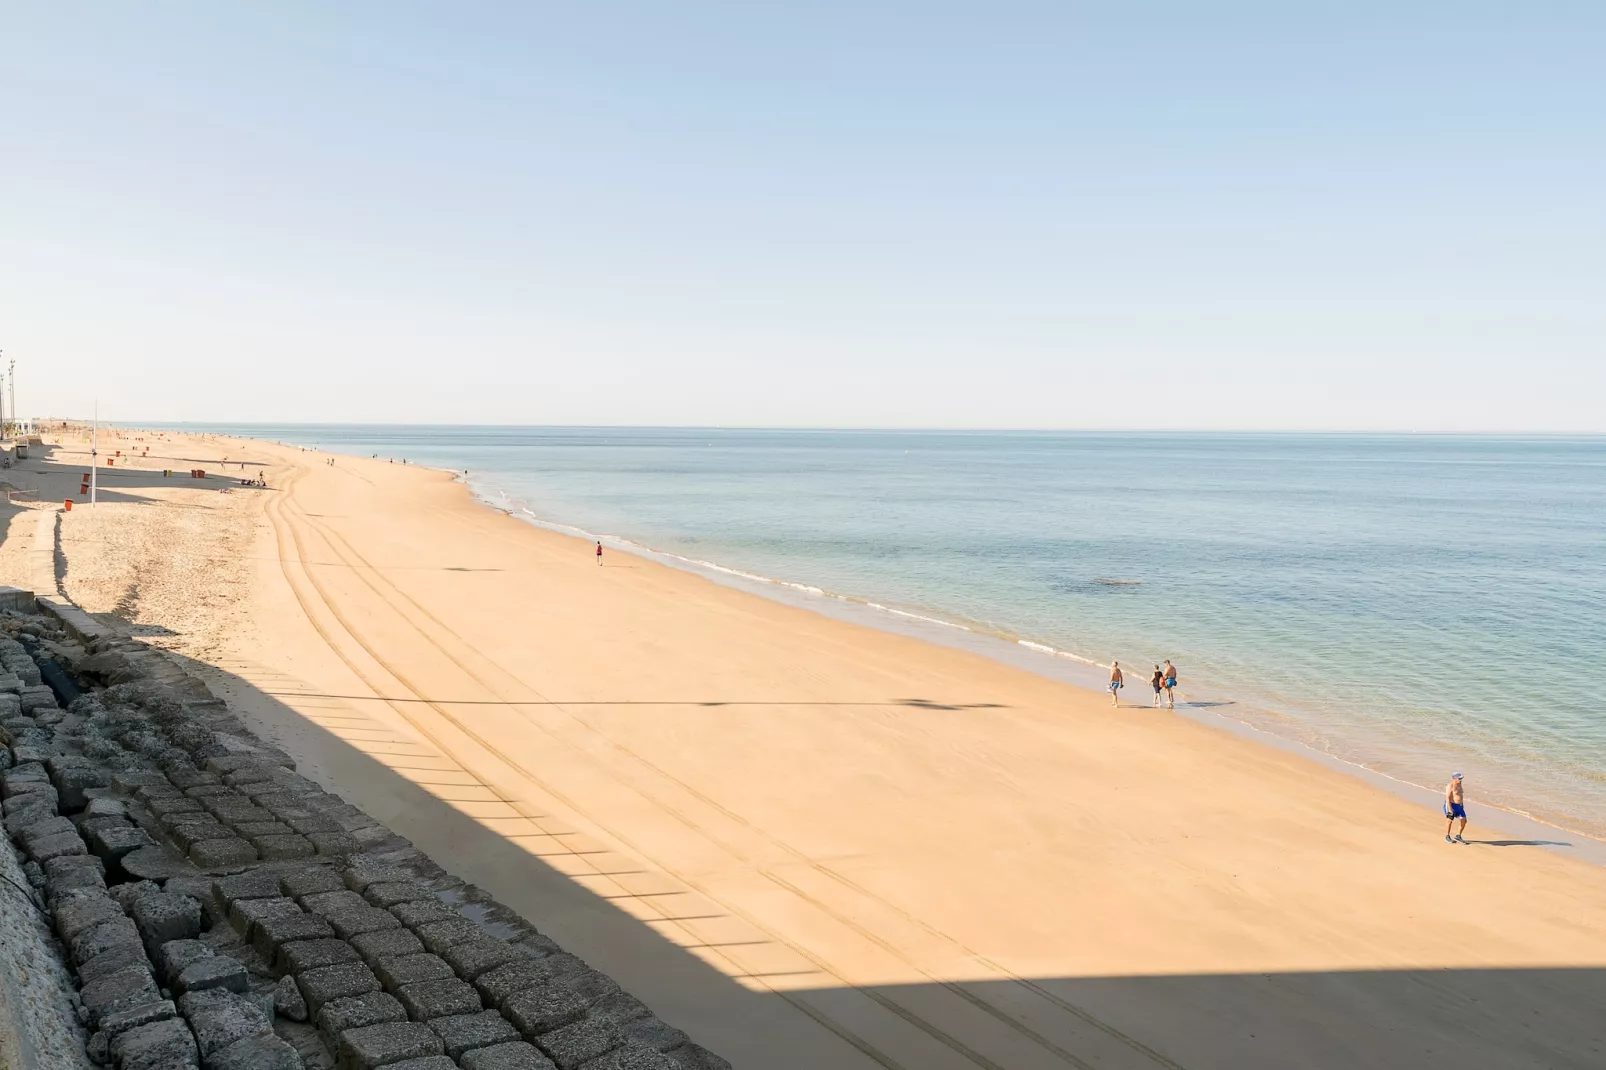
(1454, 807)
(1117, 681)
(1170, 671)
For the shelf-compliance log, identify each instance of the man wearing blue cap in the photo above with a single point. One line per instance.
(1454, 807)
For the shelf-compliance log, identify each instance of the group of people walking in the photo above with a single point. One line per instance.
(1164, 682)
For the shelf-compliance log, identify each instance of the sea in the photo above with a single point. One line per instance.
(1410, 605)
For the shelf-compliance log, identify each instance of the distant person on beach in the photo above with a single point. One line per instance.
(1454, 807)
(1116, 683)
(1159, 685)
(599, 552)
(1170, 685)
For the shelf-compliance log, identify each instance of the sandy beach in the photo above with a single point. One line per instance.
(809, 843)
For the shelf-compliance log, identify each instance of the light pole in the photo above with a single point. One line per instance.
(94, 464)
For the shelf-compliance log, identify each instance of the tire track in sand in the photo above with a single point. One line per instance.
(282, 524)
(369, 573)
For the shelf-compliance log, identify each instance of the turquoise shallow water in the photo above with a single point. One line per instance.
(1408, 603)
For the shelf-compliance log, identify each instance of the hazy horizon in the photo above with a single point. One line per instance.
(1028, 216)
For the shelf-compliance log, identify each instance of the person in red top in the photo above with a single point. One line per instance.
(599, 553)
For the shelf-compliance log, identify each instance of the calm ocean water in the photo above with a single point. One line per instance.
(1413, 604)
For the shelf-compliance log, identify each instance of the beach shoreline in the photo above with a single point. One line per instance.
(1208, 707)
(928, 850)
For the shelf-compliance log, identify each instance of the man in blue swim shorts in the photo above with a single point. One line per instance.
(1454, 807)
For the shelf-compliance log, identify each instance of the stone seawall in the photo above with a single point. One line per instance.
(219, 911)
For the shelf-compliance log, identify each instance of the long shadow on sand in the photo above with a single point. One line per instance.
(1496, 1019)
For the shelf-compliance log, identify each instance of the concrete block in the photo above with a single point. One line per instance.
(111, 844)
(631, 1056)
(217, 971)
(220, 1018)
(380, 1045)
(425, 1000)
(86, 825)
(334, 902)
(121, 1021)
(163, 805)
(49, 824)
(311, 823)
(172, 957)
(381, 944)
(513, 1056)
(245, 913)
(202, 827)
(579, 1042)
(465, 1032)
(129, 987)
(154, 864)
(401, 970)
(256, 1053)
(79, 912)
(254, 884)
(353, 923)
(162, 917)
(60, 845)
(98, 939)
(474, 957)
(325, 983)
(149, 786)
(288, 1002)
(222, 853)
(273, 931)
(363, 873)
(619, 1007)
(503, 982)
(252, 829)
(313, 880)
(355, 1012)
(440, 935)
(72, 782)
(303, 955)
(235, 812)
(184, 778)
(162, 1045)
(389, 893)
(417, 912)
(332, 844)
(112, 960)
(539, 1011)
(652, 1033)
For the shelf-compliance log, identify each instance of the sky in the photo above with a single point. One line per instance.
(1016, 215)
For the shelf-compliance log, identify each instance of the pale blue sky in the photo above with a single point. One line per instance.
(1324, 215)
